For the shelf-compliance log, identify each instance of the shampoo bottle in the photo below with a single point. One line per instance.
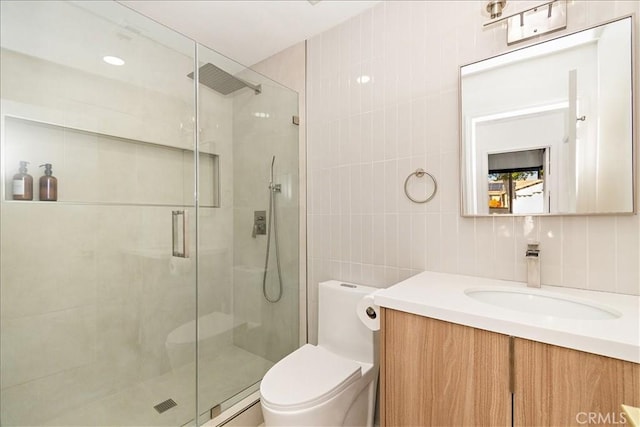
(22, 184)
(48, 185)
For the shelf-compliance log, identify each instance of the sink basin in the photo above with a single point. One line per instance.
(546, 304)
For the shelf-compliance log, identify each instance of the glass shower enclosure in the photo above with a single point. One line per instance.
(143, 295)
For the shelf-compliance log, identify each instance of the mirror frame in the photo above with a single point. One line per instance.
(634, 121)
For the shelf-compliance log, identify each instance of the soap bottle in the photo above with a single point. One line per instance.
(48, 185)
(23, 184)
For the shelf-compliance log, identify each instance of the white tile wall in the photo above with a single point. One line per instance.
(273, 333)
(363, 140)
(288, 68)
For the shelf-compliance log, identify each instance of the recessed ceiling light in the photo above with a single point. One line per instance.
(113, 60)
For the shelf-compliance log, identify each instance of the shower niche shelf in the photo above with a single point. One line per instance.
(95, 168)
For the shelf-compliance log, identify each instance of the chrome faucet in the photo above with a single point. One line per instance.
(533, 264)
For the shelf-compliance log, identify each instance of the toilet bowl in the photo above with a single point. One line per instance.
(333, 383)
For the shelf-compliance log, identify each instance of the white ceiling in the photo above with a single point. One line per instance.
(246, 31)
(249, 31)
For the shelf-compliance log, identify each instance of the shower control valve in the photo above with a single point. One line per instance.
(276, 188)
(259, 223)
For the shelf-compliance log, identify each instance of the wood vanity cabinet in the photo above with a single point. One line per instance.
(558, 386)
(437, 373)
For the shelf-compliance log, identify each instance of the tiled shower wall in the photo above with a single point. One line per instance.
(262, 128)
(364, 139)
(288, 68)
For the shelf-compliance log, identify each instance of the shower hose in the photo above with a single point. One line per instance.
(271, 217)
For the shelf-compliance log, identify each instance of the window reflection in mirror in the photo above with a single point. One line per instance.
(516, 182)
(569, 97)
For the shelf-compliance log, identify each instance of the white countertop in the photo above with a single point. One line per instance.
(442, 296)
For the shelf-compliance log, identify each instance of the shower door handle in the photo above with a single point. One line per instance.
(179, 234)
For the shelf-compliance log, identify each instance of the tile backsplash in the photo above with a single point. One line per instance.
(364, 139)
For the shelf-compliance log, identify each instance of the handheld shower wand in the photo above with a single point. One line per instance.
(271, 217)
(275, 188)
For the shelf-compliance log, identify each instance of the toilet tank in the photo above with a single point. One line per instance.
(339, 328)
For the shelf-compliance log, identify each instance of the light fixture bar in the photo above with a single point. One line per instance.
(521, 13)
(535, 21)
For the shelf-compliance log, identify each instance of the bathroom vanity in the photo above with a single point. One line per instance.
(449, 358)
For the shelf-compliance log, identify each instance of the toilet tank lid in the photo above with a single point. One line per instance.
(306, 377)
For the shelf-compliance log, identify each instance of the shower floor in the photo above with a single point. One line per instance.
(222, 376)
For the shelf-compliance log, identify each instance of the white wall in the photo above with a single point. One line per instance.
(615, 122)
(531, 83)
(363, 140)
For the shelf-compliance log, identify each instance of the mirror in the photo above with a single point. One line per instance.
(547, 129)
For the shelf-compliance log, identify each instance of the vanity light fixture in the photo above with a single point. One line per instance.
(535, 21)
(494, 7)
(113, 60)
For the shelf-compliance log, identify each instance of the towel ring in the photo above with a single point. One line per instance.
(419, 173)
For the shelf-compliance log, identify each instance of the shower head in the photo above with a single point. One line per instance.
(221, 81)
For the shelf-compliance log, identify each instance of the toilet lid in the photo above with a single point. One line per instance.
(306, 377)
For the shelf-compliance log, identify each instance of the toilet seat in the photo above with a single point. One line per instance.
(306, 377)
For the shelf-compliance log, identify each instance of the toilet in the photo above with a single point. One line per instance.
(333, 383)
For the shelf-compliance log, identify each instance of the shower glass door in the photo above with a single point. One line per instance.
(91, 289)
(248, 307)
(143, 295)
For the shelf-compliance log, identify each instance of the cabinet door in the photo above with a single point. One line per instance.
(556, 386)
(436, 373)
